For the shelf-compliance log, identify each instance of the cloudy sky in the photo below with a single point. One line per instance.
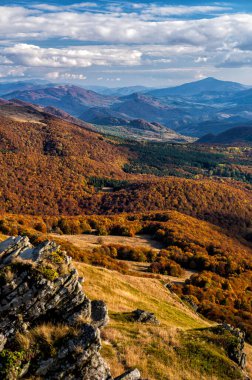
(116, 43)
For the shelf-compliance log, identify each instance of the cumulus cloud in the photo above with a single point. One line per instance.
(133, 34)
(20, 23)
(34, 56)
(237, 58)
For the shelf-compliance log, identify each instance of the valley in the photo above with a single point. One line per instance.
(153, 219)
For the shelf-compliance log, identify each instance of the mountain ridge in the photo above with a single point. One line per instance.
(186, 109)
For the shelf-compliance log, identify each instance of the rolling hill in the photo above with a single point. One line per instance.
(115, 123)
(234, 136)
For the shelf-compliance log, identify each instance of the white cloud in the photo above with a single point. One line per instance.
(19, 23)
(66, 76)
(9, 71)
(171, 37)
(75, 6)
(183, 10)
(200, 59)
(34, 56)
(237, 58)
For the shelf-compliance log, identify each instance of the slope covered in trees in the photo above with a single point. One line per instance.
(53, 167)
(217, 202)
(221, 284)
(45, 165)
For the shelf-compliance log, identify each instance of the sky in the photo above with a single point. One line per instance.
(117, 43)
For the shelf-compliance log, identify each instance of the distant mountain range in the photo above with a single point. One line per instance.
(137, 129)
(193, 109)
(6, 87)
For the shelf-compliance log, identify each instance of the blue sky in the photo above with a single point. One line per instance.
(115, 43)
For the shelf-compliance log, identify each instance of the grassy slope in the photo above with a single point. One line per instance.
(181, 347)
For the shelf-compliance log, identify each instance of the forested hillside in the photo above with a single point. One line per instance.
(52, 166)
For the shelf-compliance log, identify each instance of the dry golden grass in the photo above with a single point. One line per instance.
(248, 350)
(92, 241)
(46, 334)
(124, 293)
(156, 350)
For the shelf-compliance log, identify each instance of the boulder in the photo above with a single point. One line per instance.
(143, 316)
(130, 375)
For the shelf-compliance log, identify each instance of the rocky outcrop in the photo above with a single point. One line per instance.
(40, 287)
(236, 348)
(37, 283)
(143, 316)
(78, 358)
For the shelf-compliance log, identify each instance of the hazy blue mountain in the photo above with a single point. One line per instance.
(118, 91)
(243, 97)
(193, 109)
(71, 99)
(198, 87)
(7, 87)
(103, 116)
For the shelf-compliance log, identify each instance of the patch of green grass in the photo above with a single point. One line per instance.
(206, 352)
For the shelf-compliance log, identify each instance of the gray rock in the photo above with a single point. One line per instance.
(130, 375)
(236, 352)
(39, 285)
(99, 313)
(143, 316)
(38, 290)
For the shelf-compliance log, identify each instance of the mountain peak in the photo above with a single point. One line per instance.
(209, 79)
(209, 84)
